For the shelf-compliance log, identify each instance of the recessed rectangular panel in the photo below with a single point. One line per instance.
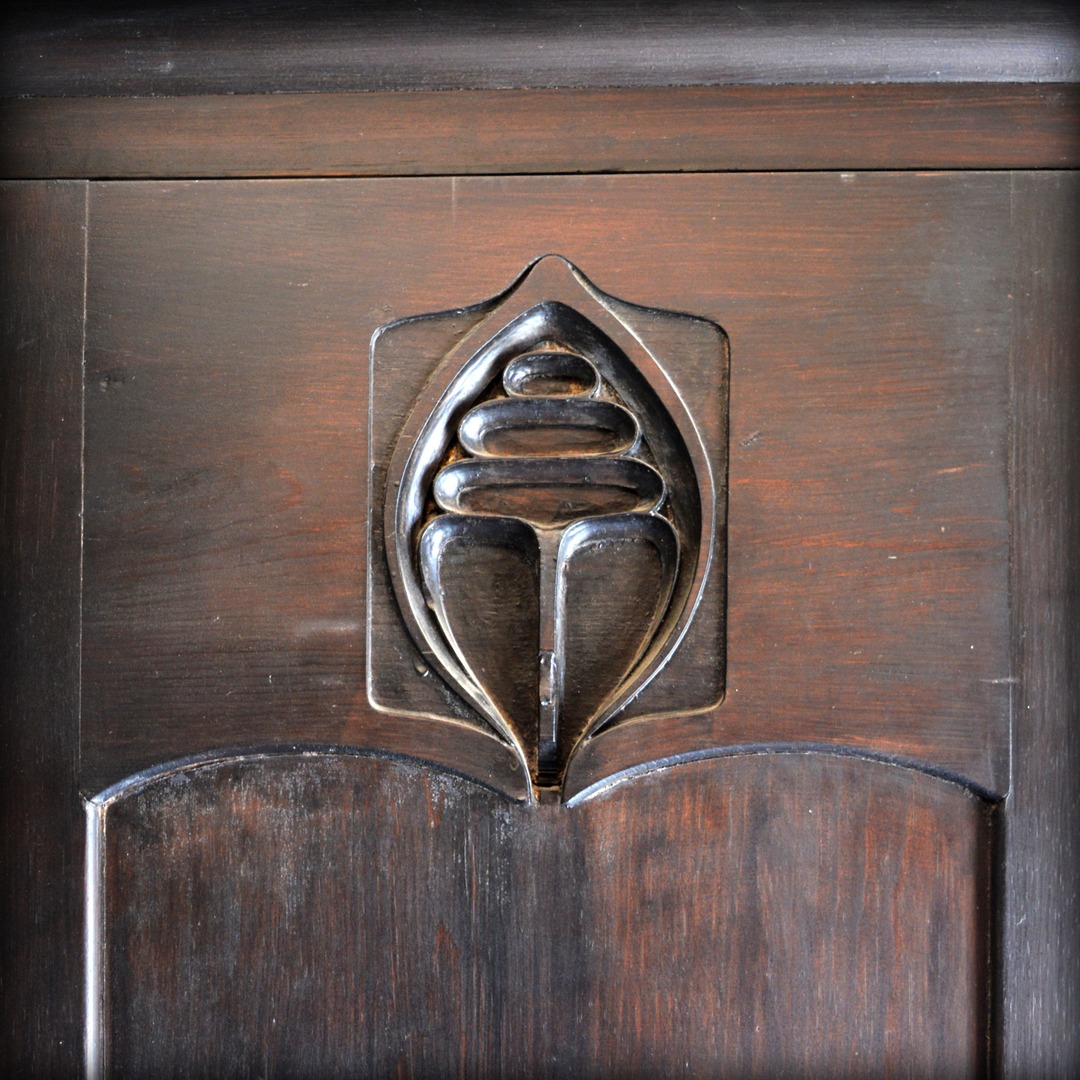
(755, 915)
(227, 497)
(591, 430)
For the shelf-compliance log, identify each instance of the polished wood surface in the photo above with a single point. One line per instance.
(755, 916)
(42, 256)
(1040, 920)
(663, 129)
(593, 588)
(863, 861)
(226, 490)
(65, 49)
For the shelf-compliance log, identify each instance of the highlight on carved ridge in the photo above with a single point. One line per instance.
(548, 528)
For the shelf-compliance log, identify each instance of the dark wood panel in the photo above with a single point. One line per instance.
(42, 243)
(1041, 909)
(761, 915)
(665, 129)
(869, 322)
(273, 47)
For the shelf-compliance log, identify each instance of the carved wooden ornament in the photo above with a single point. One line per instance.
(552, 516)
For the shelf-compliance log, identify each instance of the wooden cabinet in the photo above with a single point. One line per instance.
(775, 383)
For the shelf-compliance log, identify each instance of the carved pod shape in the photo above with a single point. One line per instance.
(545, 534)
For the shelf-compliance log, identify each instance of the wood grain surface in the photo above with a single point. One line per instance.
(662, 129)
(1040, 921)
(42, 246)
(864, 861)
(758, 916)
(228, 324)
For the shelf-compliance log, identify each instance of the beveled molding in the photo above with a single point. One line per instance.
(546, 551)
(117, 48)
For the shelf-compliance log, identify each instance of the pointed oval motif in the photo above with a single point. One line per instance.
(547, 426)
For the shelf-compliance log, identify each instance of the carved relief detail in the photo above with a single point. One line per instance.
(548, 528)
(545, 488)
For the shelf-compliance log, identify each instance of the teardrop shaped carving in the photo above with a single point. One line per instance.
(548, 536)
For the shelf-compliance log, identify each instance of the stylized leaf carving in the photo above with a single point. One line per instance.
(545, 538)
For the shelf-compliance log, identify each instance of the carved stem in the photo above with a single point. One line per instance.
(547, 751)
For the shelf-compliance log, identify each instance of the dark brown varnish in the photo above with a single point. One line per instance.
(662, 129)
(870, 867)
(1040, 876)
(42, 244)
(220, 48)
(753, 916)
(226, 493)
